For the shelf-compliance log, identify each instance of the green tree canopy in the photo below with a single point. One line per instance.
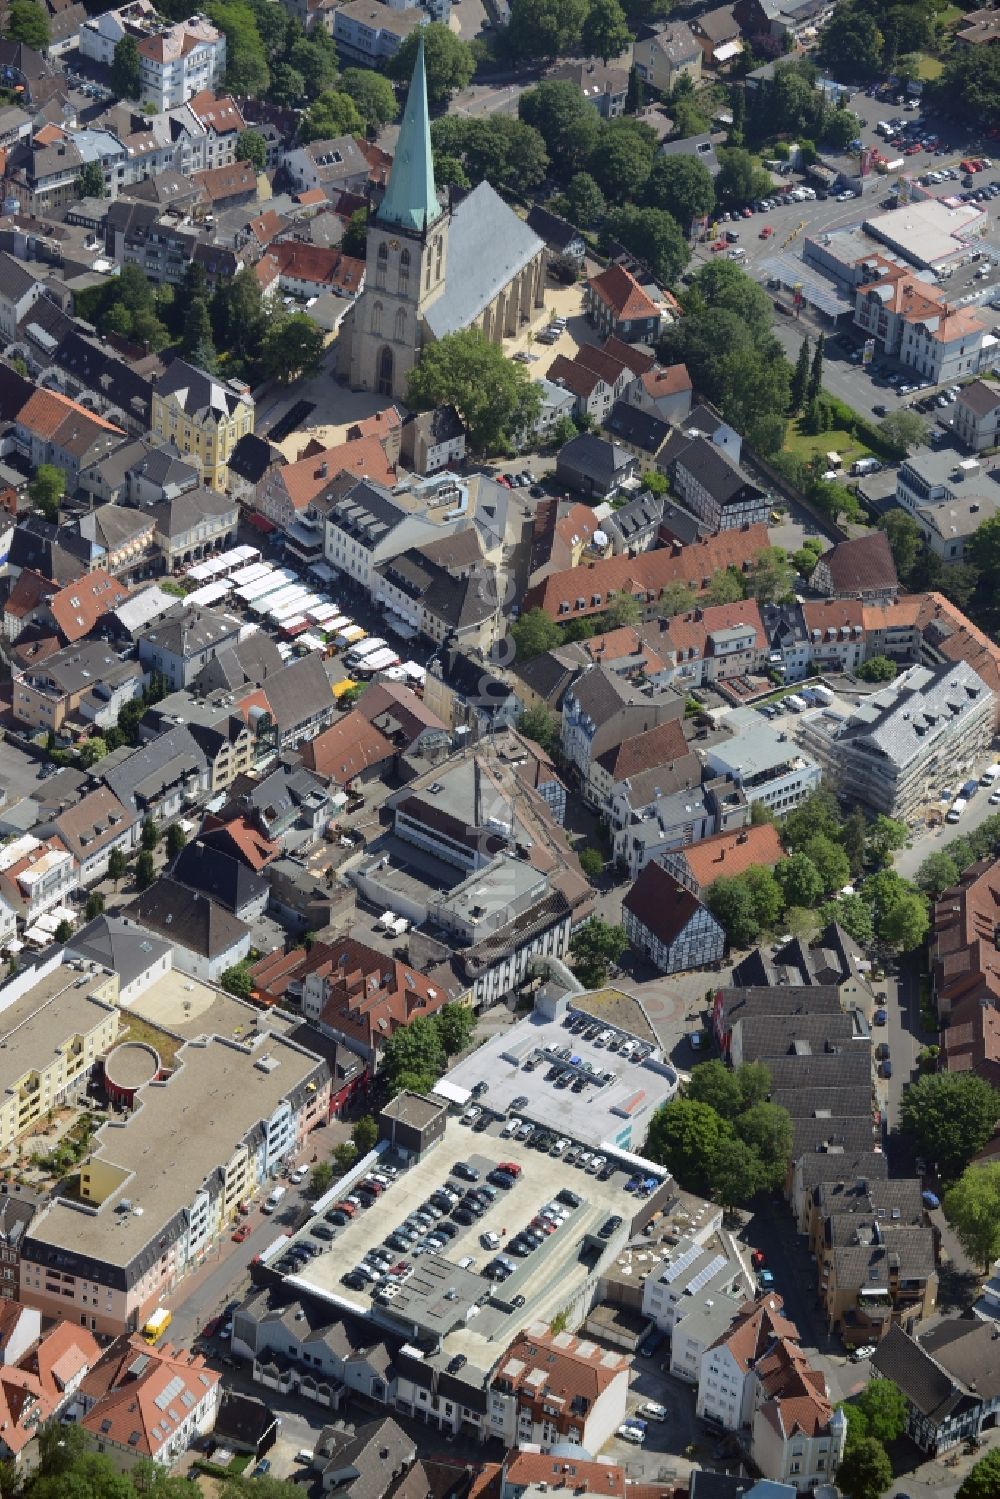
(495, 147)
(877, 669)
(725, 586)
(605, 32)
(739, 182)
(332, 114)
(830, 862)
(621, 161)
(293, 347)
(125, 69)
(715, 1084)
(652, 236)
(904, 539)
(450, 62)
(238, 980)
(938, 873)
(541, 726)
(252, 147)
(567, 123)
(949, 1117)
(594, 946)
(246, 58)
(495, 397)
(373, 94)
(854, 914)
(972, 1207)
(903, 430)
(865, 1471)
(800, 880)
(681, 186)
(413, 1057)
(983, 1481)
(767, 1130)
(970, 81)
(884, 1407)
(47, 489)
(455, 1024)
(546, 29)
(689, 1137)
(585, 205)
(28, 23)
(850, 43)
(364, 1133)
(355, 238)
(676, 598)
(145, 870)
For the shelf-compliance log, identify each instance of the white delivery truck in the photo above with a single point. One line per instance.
(956, 809)
(273, 1199)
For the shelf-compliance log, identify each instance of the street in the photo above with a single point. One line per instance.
(927, 841)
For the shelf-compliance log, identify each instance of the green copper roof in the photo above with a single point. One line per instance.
(411, 198)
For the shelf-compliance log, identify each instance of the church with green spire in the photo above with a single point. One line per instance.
(433, 267)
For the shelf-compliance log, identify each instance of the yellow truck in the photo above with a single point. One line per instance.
(157, 1325)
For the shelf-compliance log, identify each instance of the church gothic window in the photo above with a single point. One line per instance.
(439, 255)
(377, 318)
(385, 365)
(404, 273)
(380, 268)
(400, 328)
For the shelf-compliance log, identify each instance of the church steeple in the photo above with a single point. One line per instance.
(411, 198)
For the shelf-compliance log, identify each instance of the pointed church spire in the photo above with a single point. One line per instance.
(411, 197)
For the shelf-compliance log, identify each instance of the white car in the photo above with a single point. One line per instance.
(298, 1176)
(653, 1412)
(511, 1127)
(630, 1434)
(995, 799)
(471, 1114)
(563, 1143)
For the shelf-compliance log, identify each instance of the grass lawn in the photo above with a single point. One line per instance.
(835, 441)
(931, 67)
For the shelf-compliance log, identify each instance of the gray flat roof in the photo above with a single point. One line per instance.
(37, 1022)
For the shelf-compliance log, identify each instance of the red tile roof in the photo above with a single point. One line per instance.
(620, 291)
(733, 853)
(964, 956)
(573, 1368)
(648, 574)
(862, 565)
(347, 749)
(970, 1042)
(661, 745)
(319, 265)
(635, 359)
(666, 382)
(364, 457)
(237, 180)
(44, 412)
(129, 1388)
(77, 607)
(219, 114)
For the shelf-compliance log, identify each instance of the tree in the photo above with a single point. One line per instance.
(681, 186)
(150, 833)
(799, 880)
(252, 147)
(449, 62)
(905, 538)
(738, 181)
(47, 489)
(972, 1207)
(145, 870)
(585, 203)
(355, 237)
(496, 147)
(63, 931)
(591, 862)
(715, 1084)
(246, 56)
(771, 575)
(949, 1117)
(345, 1155)
(620, 163)
(90, 183)
(938, 873)
(238, 980)
(176, 839)
(830, 862)
(850, 42)
(903, 430)
(622, 610)
(815, 385)
(738, 903)
(125, 69)
(364, 1133)
(736, 1175)
(885, 836)
(495, 397)
(594, 946)
(676, 598)
(983, 1482)
(800, 379)
(116, 865)
(983, 550)
(331, 115)
(725, 586)
(689, 1137)
(413, 1056)
(288, 89)
(455, 1025)
(27, 23)
(373, 94)
(605, 31)
(652, 236)
(94, 906)
(853, 913)
(842, 126)
(865, 1471)
(292, 348)
(546, 29)
(767, 1129)
(533, 634)
(884, 1407)
(904, 925)
(196, 339)
(540, 726)
(567, 123)
(877, 669)
(320, 1179)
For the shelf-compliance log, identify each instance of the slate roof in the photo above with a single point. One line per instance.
(147, 770)
(218, 875)
(186, 918)
(639, 428)
(175, 517)
(979, 397)
(709, 466)
(663, 905)
(200, 395)
(594, 457)
(969, 1352)
(928, 1387)
(117, 945)
(487, 245)
(557, 233)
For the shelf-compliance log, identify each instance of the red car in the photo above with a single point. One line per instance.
(211, 1327)
(747, 213)
(912, 151)
(757, 1259)
(243, 1232)
(766, 232)
(720, 244)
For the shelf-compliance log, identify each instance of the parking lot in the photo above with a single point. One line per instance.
(446, 1289)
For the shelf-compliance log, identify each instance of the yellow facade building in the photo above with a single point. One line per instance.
(205, 417)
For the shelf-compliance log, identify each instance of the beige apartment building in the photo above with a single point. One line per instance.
(161, 1186)
(55, 1021)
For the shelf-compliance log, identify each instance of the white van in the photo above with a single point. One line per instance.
(273, 1199)
(989, 776)
(956, 809)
